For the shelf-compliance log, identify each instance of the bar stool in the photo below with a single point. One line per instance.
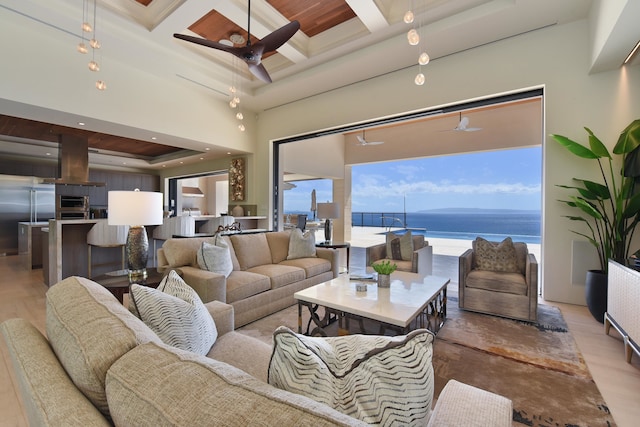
(173, 226)
(104, 235)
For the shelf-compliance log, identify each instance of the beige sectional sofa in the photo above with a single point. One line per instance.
(263, 280)
(102, 366)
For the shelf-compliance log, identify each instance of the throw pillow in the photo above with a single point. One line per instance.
(400, 247)
(176, 314)
(215, 258)
(494, 256)
(301, 245)
(378, 379)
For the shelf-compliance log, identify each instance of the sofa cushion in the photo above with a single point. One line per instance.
(251, 250)
(400, 247)
(215, 258)
(156, 385)
(301, 245)
(279, 245)
(280, 275)
(89, 330)
(180, 252)
(244, 352)
(311, 266)
(234, 258)
(497, 281)
(244, 284)
(176, 314)
(363, 376)
(494, 256)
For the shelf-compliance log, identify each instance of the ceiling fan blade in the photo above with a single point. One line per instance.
(472, 129)
(205, 42)
(280, 36)
(375, 142)
(260, 72)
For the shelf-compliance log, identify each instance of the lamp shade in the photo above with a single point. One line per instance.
(135, 208)
(328, 210)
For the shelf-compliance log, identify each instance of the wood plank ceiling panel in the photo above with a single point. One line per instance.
(315, 16)
(40, 131)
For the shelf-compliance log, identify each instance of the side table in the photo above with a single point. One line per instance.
(337, 245)
(118, 285)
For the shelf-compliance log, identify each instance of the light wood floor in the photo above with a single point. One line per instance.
(22, 295)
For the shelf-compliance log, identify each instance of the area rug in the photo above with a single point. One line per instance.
(536, 365)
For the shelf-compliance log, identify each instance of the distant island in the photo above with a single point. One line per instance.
(479, 211)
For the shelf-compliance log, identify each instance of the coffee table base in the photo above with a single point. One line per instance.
(432, 318)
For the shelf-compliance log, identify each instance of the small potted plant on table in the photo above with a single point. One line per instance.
(384, 270)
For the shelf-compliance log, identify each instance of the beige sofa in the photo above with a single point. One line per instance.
(102, 366)
(263, 281)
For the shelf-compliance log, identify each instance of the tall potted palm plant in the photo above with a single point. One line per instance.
(610, 209)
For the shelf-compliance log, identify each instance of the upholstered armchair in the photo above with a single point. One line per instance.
(419, 259)
(499, 278)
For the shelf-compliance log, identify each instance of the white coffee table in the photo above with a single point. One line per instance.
(412, 301)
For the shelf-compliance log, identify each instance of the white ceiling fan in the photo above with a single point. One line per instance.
(362, 141)
(463, 125)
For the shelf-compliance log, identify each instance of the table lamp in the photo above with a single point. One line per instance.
(328, 211)
(135, 209)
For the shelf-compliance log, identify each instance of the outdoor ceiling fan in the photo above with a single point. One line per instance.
(363, 141)
(251, 54)
(463, 125)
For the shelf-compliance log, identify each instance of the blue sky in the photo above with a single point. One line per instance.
(507, 179)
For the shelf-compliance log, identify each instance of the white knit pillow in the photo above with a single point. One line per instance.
(176, 314)
(380, 380)
(215, 258)
(301, 245)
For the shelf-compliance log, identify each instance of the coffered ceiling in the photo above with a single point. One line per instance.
(340, 42)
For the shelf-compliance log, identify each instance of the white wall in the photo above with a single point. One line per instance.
(557, 58)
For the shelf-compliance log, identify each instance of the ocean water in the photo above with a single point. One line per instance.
(521, 226)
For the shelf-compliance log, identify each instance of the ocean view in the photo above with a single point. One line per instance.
(522, 226)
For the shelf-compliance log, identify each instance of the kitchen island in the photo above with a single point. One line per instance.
(30, 243)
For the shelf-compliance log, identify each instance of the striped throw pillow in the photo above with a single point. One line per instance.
(380, 380)
(176, 314)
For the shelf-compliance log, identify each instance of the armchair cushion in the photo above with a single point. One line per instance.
(497, 281)
(400, 247)
(494, 256)
(362, 376)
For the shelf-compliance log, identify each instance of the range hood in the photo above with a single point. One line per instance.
(73, 162)
(192, 192)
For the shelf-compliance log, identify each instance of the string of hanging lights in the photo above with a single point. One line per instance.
(413, 37)
(94, 43)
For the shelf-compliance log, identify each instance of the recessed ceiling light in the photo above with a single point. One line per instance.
(81, 123)
(207, 148)
(201, 158)
(153, 138)
(164, 166)
(181, 163)
(228, 152)
(48, 154)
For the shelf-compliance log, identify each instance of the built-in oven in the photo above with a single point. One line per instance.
(72, 207)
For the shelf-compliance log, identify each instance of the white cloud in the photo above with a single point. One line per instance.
(375, 189)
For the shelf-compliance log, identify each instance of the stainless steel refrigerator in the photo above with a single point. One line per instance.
(22, 198)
